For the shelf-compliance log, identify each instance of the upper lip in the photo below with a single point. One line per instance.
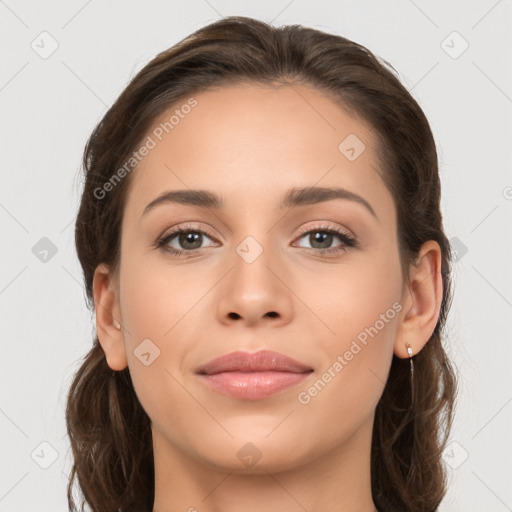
(264, 360)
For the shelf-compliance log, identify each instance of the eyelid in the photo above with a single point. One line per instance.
(302, 231)
(326, 226)
(187, 227)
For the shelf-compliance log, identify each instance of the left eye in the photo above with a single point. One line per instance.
(321, 239)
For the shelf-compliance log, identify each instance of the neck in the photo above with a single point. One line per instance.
(338, 480)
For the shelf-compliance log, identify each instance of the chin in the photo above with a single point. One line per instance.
(255, 455)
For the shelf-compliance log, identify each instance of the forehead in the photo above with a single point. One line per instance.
(249, 142)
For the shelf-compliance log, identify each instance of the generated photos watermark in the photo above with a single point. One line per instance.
(144, 149)
(357, 345)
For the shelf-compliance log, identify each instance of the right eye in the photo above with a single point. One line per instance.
(188, 238)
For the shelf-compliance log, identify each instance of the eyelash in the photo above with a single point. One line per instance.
(347, 240)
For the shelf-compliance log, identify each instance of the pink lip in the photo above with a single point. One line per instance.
(253, 376)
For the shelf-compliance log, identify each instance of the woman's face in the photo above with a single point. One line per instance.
(255, 274)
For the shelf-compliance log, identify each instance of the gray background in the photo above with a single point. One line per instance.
(50, 104)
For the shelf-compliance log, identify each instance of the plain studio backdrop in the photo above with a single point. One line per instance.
(63, 63)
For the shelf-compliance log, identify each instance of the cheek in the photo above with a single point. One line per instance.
(359, 306)
(156, 298)
(348, 298)
(164, 304)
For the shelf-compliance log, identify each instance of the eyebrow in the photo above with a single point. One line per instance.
(294, 197)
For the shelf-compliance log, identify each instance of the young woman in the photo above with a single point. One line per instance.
(262, 243)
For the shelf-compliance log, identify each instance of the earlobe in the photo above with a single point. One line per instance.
(422, 298)
(108, 326)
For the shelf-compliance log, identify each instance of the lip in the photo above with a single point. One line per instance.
(253, 376)
(262, 361)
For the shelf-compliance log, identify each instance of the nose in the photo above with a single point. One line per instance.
(255, 291)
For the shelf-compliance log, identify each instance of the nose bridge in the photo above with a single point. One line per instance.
(252, 259)
(254, 243)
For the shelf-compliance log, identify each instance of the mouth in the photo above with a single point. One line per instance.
(253, 376)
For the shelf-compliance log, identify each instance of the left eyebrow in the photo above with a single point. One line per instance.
(313, 195)
(294, 197)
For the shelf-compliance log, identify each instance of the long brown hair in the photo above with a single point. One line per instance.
(109, 431)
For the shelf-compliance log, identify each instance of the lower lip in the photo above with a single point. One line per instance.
(252, 385)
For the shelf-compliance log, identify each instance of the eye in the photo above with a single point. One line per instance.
(188, 239)
(185, 241)
(321, 239)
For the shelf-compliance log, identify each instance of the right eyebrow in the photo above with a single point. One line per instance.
(201, 198)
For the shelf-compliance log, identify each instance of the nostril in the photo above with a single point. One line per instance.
(236, 316)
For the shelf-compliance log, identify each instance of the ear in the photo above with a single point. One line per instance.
(421, 300)
(108, 318)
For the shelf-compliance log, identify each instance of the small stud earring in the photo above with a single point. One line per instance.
(117, 325)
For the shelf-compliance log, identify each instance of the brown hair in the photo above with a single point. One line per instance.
(109, 431)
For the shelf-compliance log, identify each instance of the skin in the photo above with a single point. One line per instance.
(251, 144)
